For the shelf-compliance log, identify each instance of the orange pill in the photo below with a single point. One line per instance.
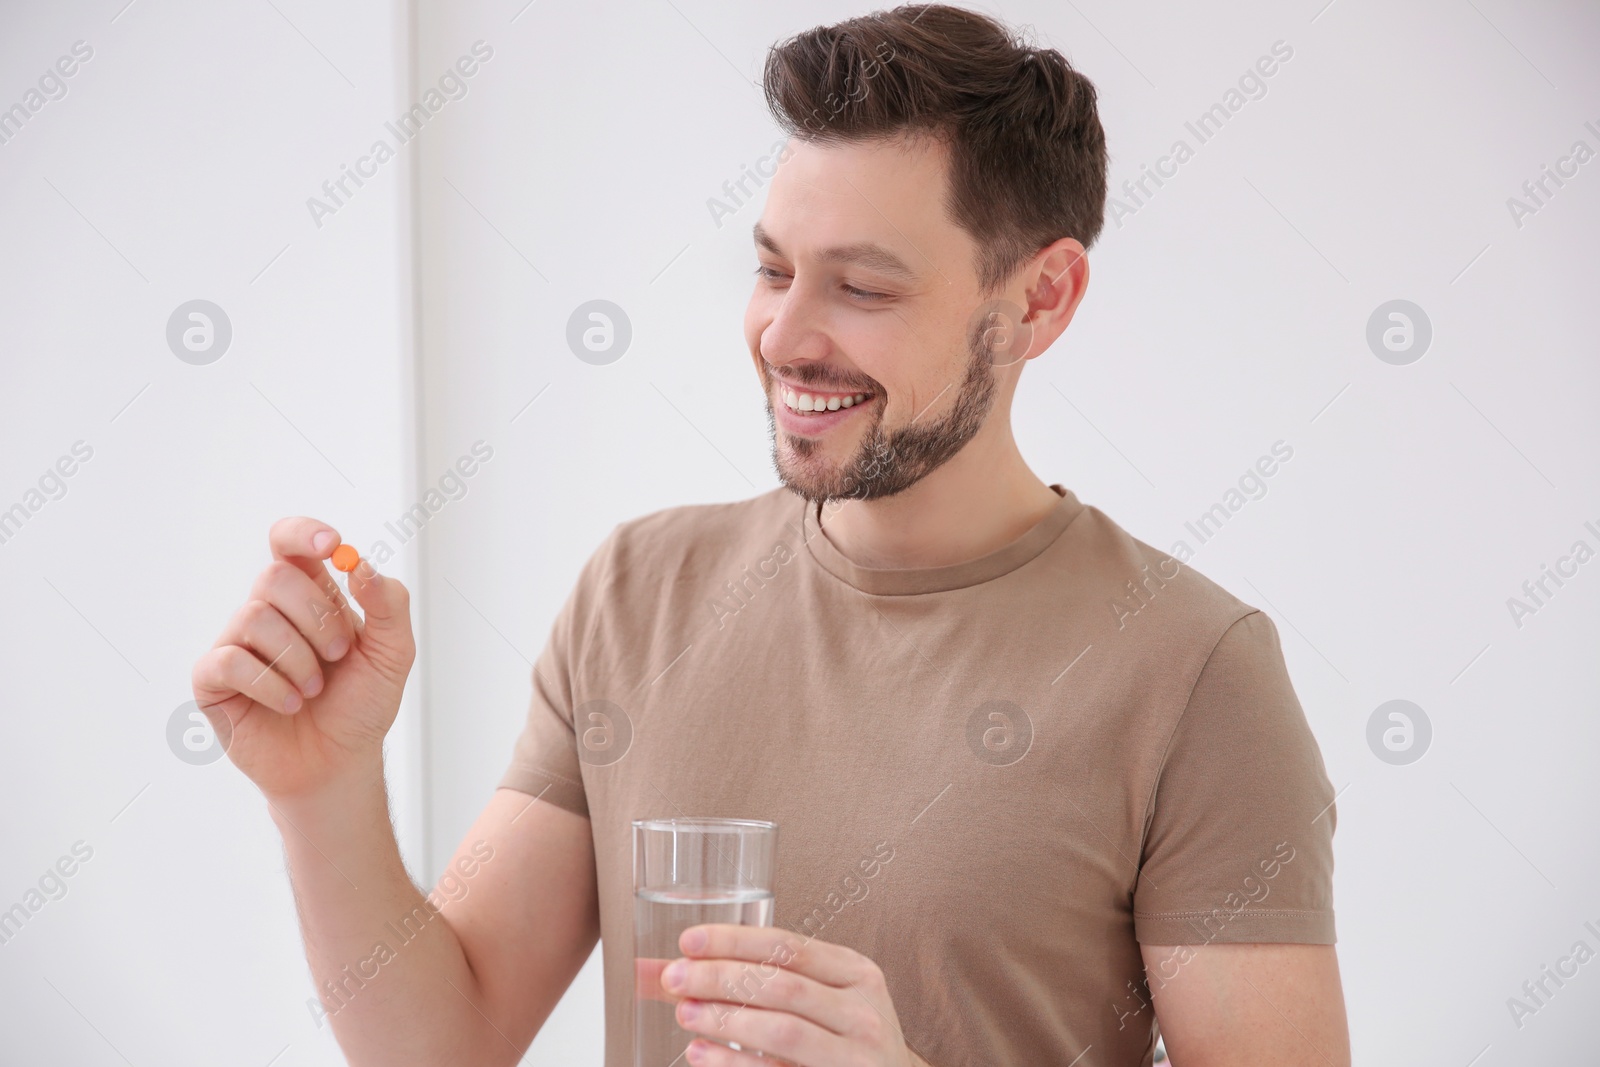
(345, 557)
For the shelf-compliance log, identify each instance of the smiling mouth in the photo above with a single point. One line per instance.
(808, 403)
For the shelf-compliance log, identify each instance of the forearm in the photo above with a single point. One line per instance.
(391, 976)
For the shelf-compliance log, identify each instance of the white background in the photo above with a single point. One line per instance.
(1226, 313)
(177, 167)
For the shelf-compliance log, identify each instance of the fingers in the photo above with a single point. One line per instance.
(763, 985)
(299, 536)
(776, 1033)
(231, 669)
(384, 600)
(834, 965)
(261, 629)
(703, 1053)
(384, 625)
(305, 543)
(302, 601)
(386, 631)
(774, 990)
(647, 980)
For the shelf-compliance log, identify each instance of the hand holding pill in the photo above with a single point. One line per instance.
(308, 684)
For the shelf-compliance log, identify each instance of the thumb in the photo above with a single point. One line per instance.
(386, 604)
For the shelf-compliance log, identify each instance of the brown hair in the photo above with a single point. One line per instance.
(1027, 153)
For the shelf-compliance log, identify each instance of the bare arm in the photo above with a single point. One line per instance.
(1249, 1005)
(532, 918)
(304, 689)
(402, 983)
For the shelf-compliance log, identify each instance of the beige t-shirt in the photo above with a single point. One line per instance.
(995, 779)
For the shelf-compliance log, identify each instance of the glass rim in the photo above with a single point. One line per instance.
(702, 822)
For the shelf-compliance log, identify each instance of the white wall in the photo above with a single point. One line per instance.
(1225, 313)
(177, 166)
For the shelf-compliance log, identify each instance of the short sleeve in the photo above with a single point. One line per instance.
(1239, 836)
(544, 761)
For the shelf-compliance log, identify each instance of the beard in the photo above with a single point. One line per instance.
(891, 461)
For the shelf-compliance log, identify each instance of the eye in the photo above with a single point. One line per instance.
(770, 274)
(853, 291)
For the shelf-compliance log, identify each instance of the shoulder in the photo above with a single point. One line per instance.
(1141, 589)
(690, 522)
(685, 543)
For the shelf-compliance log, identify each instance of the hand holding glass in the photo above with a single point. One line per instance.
(687, 872)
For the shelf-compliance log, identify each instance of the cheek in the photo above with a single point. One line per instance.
(955, 358)
(896, 358)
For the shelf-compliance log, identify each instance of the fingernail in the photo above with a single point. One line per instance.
(291, 703)
(693, 940)
(688, 1011)
(324, 541)
(338, 647)
(313, 686)
(697, 1052)
(673, 975)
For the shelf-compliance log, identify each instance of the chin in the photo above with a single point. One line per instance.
(810, 476)
(805, 479)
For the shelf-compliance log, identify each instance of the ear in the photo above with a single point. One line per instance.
(1055, 281)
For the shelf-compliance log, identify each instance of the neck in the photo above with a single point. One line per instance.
(980, 500)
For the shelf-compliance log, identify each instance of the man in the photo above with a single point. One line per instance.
(1039, 785)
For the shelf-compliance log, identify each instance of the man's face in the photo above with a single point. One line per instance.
(861, 324)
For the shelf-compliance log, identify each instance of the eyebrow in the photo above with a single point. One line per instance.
(874, 257)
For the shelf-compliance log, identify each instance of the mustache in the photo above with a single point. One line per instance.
(820, 378)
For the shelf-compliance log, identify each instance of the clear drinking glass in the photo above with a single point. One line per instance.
(687, 872)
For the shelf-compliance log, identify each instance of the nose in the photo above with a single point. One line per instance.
(796, 332)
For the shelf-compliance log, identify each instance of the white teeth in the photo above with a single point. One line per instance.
(810, 402)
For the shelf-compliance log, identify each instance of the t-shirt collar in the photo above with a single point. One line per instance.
(900, 581)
